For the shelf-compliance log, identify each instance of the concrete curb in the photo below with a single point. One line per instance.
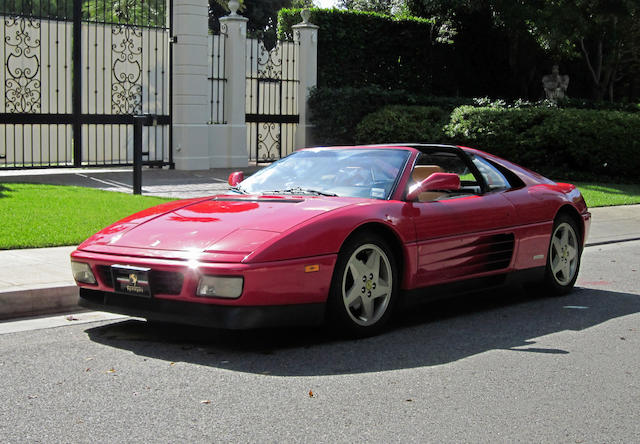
(38, 301)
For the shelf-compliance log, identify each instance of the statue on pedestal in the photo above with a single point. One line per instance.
(555, 85)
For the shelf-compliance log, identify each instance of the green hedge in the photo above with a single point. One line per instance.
(362, 48)
(399, 123)
(336, 112)
(569, 143)
(577, 144)
(602, 106)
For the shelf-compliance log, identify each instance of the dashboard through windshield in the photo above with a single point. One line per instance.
(370, 173)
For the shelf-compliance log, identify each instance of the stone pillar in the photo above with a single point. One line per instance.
(190, 140)
(232, 152)
(306, 35)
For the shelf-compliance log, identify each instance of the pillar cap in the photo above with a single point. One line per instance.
(233, 18)
(303, 25)
(233, 7)
(305, 14)
(233, 13)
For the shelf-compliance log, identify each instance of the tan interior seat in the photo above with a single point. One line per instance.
(420, 173)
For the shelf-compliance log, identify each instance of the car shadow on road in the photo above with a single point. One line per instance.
(433, 334)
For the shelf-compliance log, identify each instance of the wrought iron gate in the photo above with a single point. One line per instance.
(271, 100)
(74, 73)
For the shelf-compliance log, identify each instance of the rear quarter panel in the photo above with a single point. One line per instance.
(536, 208)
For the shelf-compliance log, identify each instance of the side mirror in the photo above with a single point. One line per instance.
(235, 178)
(435, 182)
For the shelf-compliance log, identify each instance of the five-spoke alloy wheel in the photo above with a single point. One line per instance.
(563, 258)
(364, 285)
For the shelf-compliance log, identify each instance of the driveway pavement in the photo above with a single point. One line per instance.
(155, 181)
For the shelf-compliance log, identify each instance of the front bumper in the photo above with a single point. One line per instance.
(275, 293)
(213, 316)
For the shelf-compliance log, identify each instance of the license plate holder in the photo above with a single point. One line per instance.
(131, 280)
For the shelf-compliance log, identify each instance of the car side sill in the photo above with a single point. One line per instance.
(443, 291)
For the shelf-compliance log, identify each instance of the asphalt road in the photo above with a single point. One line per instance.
(505, 368)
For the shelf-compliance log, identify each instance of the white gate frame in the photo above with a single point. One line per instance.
(199, 141)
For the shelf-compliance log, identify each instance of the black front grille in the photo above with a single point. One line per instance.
(104, 274)
(162, 282)
(166, 282)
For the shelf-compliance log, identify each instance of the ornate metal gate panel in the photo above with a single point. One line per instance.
(73, 77)
(271, 100)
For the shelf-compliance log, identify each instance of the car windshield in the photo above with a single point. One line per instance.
(369, 173)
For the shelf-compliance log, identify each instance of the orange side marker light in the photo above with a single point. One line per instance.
(311, 268)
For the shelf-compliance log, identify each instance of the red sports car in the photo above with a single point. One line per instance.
(338, 234)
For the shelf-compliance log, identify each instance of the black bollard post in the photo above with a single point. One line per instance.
(139, 121)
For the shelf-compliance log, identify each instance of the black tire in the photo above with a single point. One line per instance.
(373, 295)
(563, 256)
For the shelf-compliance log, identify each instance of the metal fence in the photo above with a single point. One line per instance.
(271, 100)
(218, 81)
(75, 73)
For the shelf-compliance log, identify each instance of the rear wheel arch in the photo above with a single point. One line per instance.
(571, 212)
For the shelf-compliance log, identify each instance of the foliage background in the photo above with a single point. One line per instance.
(139, 12)
(495, 48)
(336, 112)
(361, 49)
(579, 144)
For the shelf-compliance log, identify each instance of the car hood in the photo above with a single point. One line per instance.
(222, 224)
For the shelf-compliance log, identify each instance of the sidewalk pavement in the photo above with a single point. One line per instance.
(38, 281)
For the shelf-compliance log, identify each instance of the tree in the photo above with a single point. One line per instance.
(379, 6)
(38, 8)
(262, 14)
(137, 12)
(492, 34)
(604, 32)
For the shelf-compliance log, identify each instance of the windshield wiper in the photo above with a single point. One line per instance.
(237, 189)
(300, 190)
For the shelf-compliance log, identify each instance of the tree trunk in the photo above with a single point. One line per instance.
(597, 92)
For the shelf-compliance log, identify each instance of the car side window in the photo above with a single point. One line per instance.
(493, 177)
(444, 162)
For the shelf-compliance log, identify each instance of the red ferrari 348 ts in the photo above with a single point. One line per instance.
(338, 234)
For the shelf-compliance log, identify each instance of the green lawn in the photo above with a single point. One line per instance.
(605, 194)
(34, 215)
